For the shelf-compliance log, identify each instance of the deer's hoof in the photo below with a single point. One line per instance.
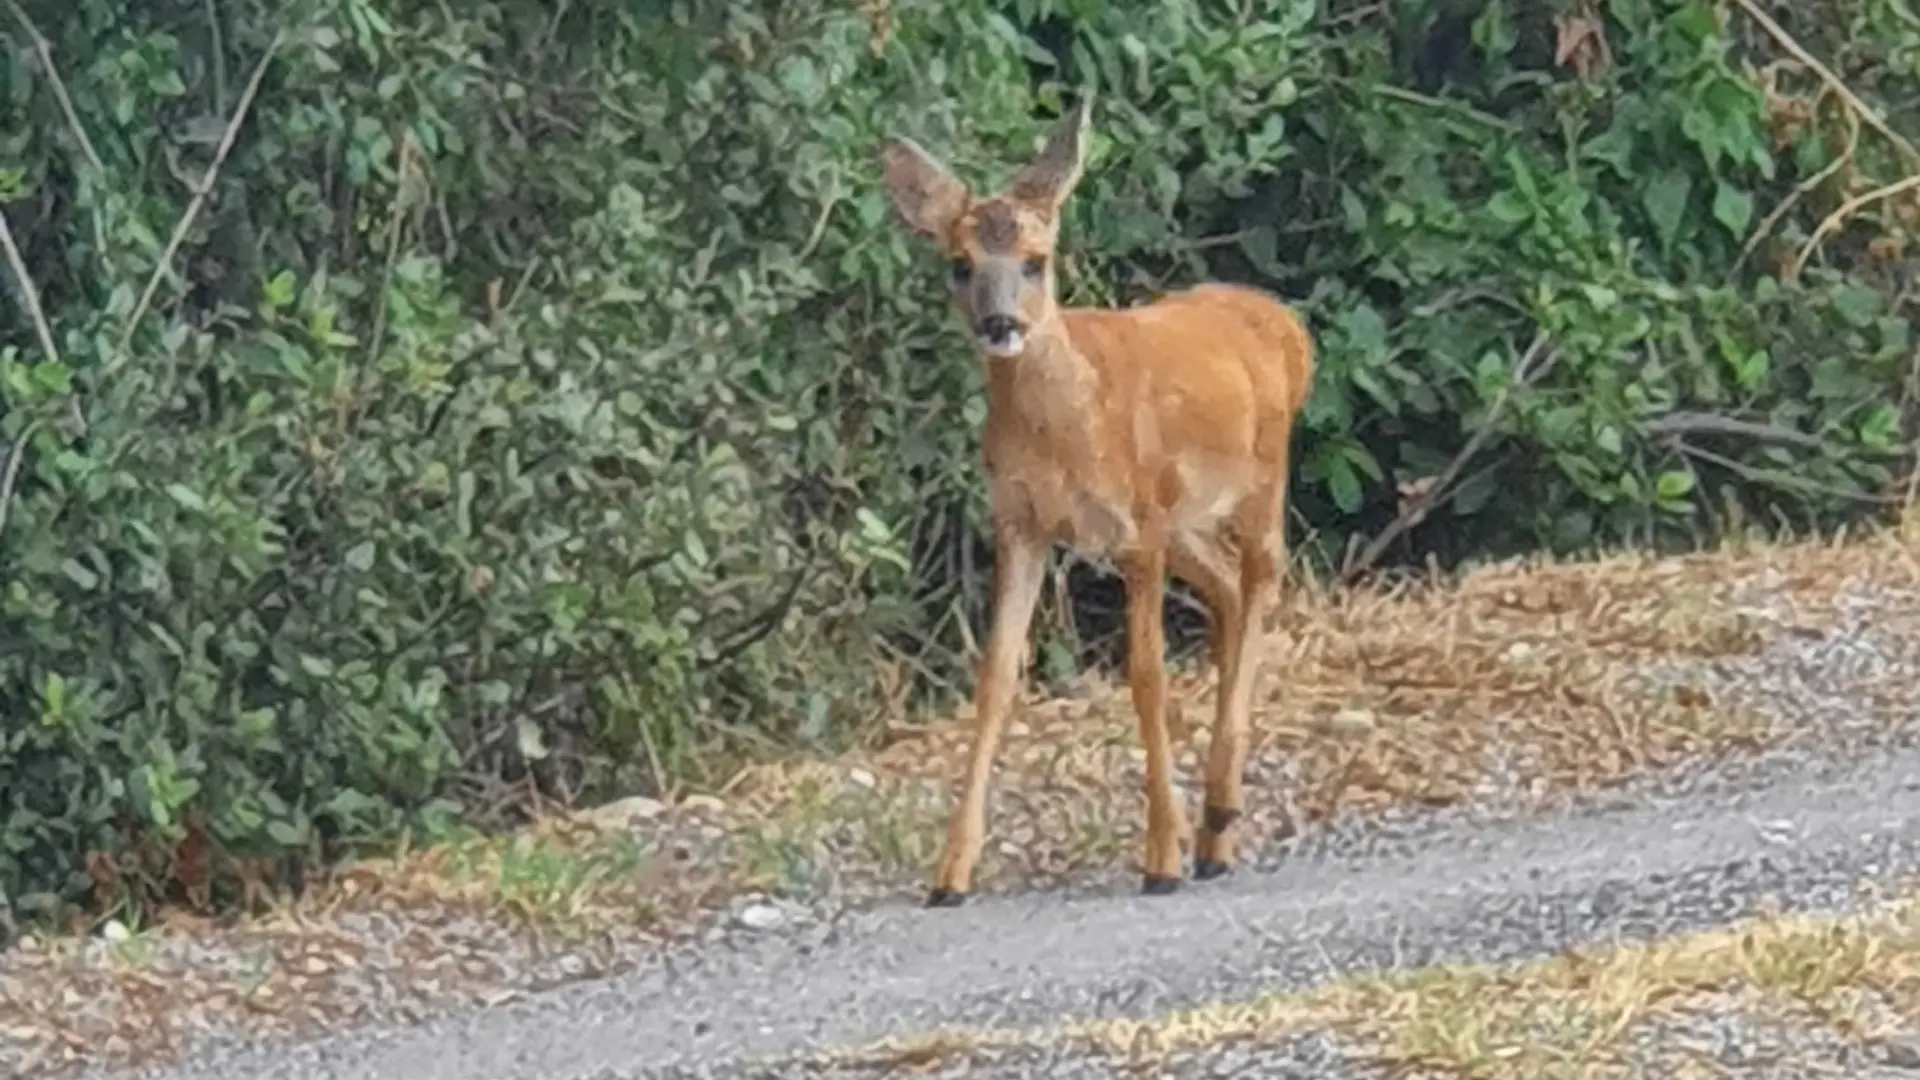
(1208, 869)
(1157, 885)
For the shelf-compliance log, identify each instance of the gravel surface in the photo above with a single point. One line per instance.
(1479, 891)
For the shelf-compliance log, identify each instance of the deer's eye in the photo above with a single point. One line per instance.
(962, 271)
(1034, 267)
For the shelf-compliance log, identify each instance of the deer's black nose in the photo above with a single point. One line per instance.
(998, 329)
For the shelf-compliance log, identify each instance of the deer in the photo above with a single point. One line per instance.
(1154, 438)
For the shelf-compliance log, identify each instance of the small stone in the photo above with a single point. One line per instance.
(1352, 722)
(622, 814)
(760, 917)
(115, 931)
(315, 966)
(862, 778)
(704, 804)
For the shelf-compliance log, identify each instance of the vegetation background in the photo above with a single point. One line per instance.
(413, 410)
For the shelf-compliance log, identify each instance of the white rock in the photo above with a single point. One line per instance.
(1352, 722)
(626, 813)
(760, 917)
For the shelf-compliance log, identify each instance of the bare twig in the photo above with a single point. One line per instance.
(819, 230)
(1799, 52)
(1695, 423)
(15, 456)
(29, 292)
(1845, 210)
(1465, 112)
(1533, 363)
(1800, 191)
(199, 198)
(396, 224)
(45, 50)
(1755, 474)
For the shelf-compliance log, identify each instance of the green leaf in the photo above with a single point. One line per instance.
(1665, 200)
(186, 497)
(1343, 484)
(1507, 207)
(286, 833)
(1733, 208)
(1367, 332)
(1880, 429)
(1673, 484)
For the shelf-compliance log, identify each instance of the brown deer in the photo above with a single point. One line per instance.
(1155, 436)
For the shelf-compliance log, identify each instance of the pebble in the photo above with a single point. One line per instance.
(761, 917)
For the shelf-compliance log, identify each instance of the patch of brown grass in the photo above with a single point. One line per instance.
(1576, 1015)
(1533, 679)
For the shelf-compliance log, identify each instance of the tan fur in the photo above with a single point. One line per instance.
(1156, 436)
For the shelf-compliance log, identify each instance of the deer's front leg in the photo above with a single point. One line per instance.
(1019, 564)
(1146, 579)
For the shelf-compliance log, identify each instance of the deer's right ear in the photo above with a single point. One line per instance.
(927, 196)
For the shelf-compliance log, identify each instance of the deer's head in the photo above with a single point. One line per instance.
(1000, 247)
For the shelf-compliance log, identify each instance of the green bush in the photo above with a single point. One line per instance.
(542, 398)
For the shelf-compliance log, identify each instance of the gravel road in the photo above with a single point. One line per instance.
(1455, 889)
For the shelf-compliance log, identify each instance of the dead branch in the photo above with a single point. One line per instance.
(199, 199)
(1800, 191)
(1533, 363)
(1853, 100)
(29, 292)
(1840, 214)
(44, 49)
(15, 456)
(1756, 475)
(1696, 423)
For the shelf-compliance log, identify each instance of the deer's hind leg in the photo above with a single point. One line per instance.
(1211, 568)
(1262, 552)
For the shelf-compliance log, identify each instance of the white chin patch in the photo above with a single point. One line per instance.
(1013, 346)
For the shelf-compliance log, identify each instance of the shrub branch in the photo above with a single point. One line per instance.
(1853, 100)
(1845, 210)
(1533, 363)
(44, 49)
(199, 200)
(29, 292)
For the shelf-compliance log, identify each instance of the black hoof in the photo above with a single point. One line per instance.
(1208, 869)
(945, 898)
(1155, 885)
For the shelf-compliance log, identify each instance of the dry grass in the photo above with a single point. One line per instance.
(1522, 680)
(1529, 680)
(1585, 1015)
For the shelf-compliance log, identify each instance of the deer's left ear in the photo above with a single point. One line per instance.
(927, 197)
(1052, 175)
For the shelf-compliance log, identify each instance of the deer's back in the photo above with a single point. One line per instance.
(1222, 363)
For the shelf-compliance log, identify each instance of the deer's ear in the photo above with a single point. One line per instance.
(927, 196)
(1051, 177)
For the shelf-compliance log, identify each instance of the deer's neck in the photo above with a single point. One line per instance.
(1048, 391)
